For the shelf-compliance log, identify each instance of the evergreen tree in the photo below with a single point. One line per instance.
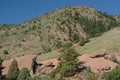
(68, 65)
(24, 74)
(69, 55)
(13, 71)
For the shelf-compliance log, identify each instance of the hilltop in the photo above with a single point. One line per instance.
(52, 30)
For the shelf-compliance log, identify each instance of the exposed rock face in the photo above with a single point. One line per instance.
(47, 66)
(97, 64)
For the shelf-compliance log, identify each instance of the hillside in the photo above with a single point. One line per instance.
(109, 41)
(50, 31)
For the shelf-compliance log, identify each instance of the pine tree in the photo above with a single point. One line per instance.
(24, 74)
(68, 65)
(13, 71)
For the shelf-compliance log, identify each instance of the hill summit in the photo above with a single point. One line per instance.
(50, 31)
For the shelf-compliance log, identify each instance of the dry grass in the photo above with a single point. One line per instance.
(49, 55)
(109, 41)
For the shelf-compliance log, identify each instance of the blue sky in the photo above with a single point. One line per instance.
(17, 11)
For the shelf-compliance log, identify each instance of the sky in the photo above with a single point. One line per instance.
(18, 11)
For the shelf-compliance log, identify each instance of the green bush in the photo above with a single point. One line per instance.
(5, 52)
(59, 44)
(73, 37)
(13, 71)
(82, 42)
(67, 45)
(24, 74)
(114, 74)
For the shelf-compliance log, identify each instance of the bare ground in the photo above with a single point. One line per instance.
(96, 63)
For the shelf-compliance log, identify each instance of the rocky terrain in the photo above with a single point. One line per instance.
(98, 64)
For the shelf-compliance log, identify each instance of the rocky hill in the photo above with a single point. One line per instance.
(50, 31)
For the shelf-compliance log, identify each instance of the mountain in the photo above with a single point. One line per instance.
(52, 30)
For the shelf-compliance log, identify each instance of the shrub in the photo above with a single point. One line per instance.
(59, 44)
(24, 74)
(13, 71)
(5, 52)
(82, 42)
(76, 38)
(73, 37)
(67, 45)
